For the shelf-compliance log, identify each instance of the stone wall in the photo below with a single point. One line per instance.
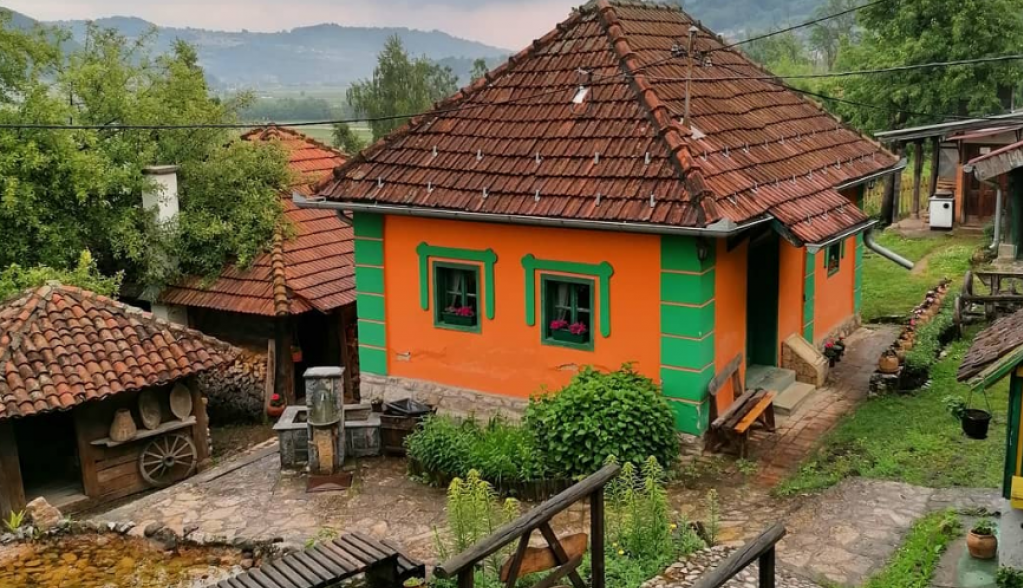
(843, 330)
(451, 400)
(236, 392)
(810, 365)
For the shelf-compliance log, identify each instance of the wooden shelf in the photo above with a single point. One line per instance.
(145, 434)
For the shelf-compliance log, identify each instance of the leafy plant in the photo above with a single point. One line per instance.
(600, 414)
(915, 561)
(713, 526)
(955, 405)
(1009, 577)
(930, 338)
(14, 521)
(984, 526)
(747, 469)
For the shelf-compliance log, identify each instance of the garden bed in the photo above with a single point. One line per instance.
(528, 491)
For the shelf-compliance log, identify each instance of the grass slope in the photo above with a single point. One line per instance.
(914, 563)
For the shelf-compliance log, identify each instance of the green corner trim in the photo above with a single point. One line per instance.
(368, 225)
(687, 353)
(692, 418)
(370, 306)
(485, 256)
(686, 384)
(682, 253)
(372, 333)
(369, 280)
(372, 360)
(602, 271)
(1012, 432)
(808, 332)
(687, 288)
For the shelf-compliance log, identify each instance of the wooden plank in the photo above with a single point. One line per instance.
(527, 522)
(373, 547)
(12, 487)
(558, 574)
(200, 432)
(303, 558)
(279, 579)
(754, 412)
(87, 454)
(742, 558)
(559, 554)
(935, 164)
(323, 552)
(356, 551)
(297, 575)
(353, 562)
(335, 570)
(260, 577)
(236, 582)
(724, 375)
(105, 475)
(164, 428)
(510, 570)
(731, 410)
(918, 170)
(597, 563)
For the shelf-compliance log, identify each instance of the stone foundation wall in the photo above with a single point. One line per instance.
(843, 330)
(236, 392)
(460, 402)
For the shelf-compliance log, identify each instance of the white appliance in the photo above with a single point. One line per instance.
(942, 208)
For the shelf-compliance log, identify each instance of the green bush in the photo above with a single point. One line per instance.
(598, 415)
(930, 338)
(1009, 577)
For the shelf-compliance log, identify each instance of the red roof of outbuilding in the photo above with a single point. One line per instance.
(314, 270)
(62, 346)
(513, 143)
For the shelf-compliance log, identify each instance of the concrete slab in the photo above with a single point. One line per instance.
(789, 399)
(958, 570)
(1010, 537)
(769, 378)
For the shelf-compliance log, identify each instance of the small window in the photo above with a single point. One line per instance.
(834, 258)
(568, 311)
(457, 291)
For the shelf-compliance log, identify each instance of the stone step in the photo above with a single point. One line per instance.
(789, 399)
(769, 378)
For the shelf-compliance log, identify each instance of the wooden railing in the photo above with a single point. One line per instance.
(463, 565)
(762, 548)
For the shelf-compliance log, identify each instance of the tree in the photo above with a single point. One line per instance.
(921, 31)
(400, 86)
(347, 140)
(14, 278)
(783, 54)
(479, 69)
(66, 191)
(827, 37)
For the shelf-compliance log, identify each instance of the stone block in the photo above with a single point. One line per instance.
(810, 365)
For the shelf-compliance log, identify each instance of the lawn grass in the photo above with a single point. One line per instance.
(912, 438)
(891, 291)
(917, 558)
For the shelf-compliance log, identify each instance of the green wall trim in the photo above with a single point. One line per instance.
(686, 384)
(687, 288)
(809, 291)
(369, 252)
(1015, 421)
(602, 271)
(808, 331)
(695, 322)
(692, 418)
(687, 353)
(372, 360)
(369, 280)
(368, 225)
(372, 333)
(858, 273)
(370, 306)
(680, 253)
(485, 256)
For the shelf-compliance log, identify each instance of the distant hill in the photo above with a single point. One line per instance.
(734, 18)
(320, 55)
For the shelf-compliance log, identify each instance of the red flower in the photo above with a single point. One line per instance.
(577, 328)
(559, 324)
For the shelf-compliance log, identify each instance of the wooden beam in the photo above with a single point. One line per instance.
(201, 429)
(935, 164)
(918, 170)
(742, 558)
(12, 488)
(342, 325)
(89, 427)
(284, 378)
(889, 203)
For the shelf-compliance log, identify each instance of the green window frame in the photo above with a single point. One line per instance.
(570, 299)
(833, 259)
(456, 284)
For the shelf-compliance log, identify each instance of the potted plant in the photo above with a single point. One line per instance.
(562, 330)
(296, 354)
(277, 406)
(975, 422)
(463, 316)
(981, 541)
(831, 352)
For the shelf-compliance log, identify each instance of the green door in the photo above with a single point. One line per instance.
(762, 300)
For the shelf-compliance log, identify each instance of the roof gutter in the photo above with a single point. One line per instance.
(864, 226)
(722, 228)
(901, 165)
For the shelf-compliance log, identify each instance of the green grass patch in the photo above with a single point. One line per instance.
(912, 439)
(915, 561)
(889, 290)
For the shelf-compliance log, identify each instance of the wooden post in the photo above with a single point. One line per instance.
(284, 378)
(201, 429)
(889, 202)
(935, 164)
(467, 578)
(12, 487)
(342, 323)
(597, 564)
(87, 428)
(918, 170)
(767, 569)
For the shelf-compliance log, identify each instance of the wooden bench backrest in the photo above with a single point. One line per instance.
(730, 373)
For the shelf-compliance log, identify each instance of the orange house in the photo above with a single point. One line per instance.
(563, 211)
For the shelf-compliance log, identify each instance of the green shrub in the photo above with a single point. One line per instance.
(443, 445)
(1009, 577)
(598, 415)
(914, 562)
(931, 337)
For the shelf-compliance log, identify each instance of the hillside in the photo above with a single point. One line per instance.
(320, 55)
(734, 18)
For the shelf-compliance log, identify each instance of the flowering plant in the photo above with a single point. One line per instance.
(831, 351)
(276, 400)
(559, 325)
(577, 328)
(465, 311)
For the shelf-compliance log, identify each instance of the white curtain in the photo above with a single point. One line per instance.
(563, 302)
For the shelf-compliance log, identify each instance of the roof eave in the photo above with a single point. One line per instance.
(899, 166)
(993, 373)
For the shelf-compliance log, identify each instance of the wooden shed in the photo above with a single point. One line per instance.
(71, 363)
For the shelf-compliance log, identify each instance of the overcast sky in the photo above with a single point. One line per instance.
(510, 24)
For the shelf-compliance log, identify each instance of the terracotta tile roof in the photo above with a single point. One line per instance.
(62, 346)
(513, 143)
(1003, 337)
(313, 270)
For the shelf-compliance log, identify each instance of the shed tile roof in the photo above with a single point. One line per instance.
(314, 270)
(1003, 337)
(761, 148)
(62, 346)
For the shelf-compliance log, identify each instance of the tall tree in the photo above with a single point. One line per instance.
(63, 192)
(400, 86)
(827, 37)
(345, 139)
(479, 69)
(921, 31)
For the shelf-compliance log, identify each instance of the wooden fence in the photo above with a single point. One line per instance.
(873, 198)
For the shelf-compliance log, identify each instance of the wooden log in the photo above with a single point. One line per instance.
(511, 569)
(526, 523)
(540, 559)
(200, 431)
(345, 361)
(12, 488)
(597, 563)
(742, 558)
(918, 170)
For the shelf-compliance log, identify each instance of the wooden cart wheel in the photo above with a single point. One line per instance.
(957, 315)
(167, 459)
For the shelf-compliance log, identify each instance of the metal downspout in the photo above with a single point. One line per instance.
(868, 240)
(997, 240)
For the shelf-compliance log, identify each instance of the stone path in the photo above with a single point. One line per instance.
(686, 572)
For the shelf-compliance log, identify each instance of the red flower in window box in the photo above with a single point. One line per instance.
(562, 330)
(463, 316)
(277, 406)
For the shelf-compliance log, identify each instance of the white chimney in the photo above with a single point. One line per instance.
(163, 197)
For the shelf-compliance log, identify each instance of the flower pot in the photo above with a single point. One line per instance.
(275, 411)
(569, 337)
(975, 423)
(982, 546)
(832, 361)
(450, 318)
(296, 355)
(889, 364)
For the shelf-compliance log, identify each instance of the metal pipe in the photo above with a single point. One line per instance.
(815, 247)
(722, 228)
(868, 240)
(996, 241)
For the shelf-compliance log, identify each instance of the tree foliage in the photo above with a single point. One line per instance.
(921, 31)
(14, 278)
(479, 69)
(401, 85)
(66, 191)
(345, 139)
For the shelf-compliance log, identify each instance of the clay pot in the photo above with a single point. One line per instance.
(889, 364)
(982, 546)
(275, 411)
(123, 428)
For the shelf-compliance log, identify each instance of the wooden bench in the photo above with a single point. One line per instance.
(753, 407)
(331, 562)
